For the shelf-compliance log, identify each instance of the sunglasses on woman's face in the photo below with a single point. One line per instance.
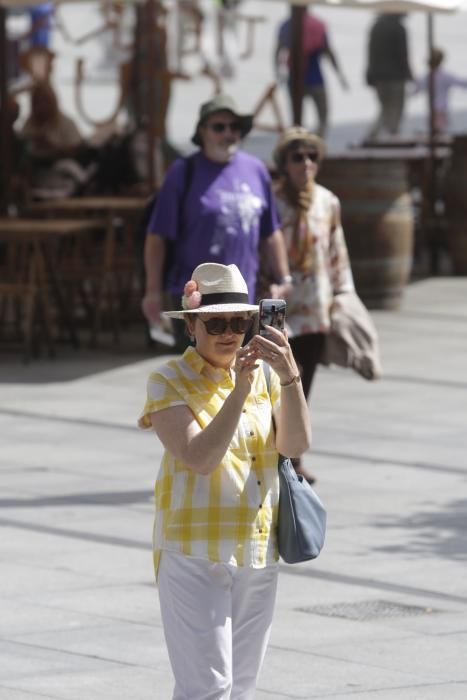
(299, 157)
(220, 127)
(218, 325)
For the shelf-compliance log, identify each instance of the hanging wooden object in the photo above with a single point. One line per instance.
(269, 98)
(124, 82)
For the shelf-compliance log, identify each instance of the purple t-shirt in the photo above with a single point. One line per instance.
(227, 209)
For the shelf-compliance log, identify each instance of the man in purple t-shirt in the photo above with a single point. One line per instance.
(222, 216)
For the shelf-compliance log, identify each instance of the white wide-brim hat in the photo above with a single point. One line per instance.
(222, 290)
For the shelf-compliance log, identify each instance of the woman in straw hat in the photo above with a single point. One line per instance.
(318, 258)
(217, 491)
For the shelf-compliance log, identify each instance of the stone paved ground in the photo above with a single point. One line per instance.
(382, 614)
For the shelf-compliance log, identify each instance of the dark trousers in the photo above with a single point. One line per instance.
(307, 350)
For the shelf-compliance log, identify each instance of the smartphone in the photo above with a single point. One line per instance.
(271, 313)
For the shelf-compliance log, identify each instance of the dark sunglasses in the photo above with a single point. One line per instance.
(300, 157)
(220, 127)
(218, 325)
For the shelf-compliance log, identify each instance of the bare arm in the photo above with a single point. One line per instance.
(199, 449)
(293, 428)
(281, 63)
(335, 64)
(154, 259)
(276, 254)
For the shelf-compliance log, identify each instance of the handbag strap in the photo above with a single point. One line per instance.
(267, 376)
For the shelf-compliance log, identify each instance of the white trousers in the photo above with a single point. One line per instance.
(217, 620)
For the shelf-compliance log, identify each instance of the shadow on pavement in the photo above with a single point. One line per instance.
(440, 533)
(69, 364)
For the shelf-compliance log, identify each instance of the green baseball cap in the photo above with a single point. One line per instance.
(221, 103)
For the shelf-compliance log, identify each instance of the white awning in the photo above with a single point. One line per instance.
(25, 4)
(393, 6)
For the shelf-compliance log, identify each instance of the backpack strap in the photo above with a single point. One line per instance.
(187, 180)
(267, 376)
(170, 245)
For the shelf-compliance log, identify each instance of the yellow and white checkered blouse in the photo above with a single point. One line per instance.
(229, 515)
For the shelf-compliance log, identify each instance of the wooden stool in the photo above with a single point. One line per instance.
(20, 299)
(269, 97)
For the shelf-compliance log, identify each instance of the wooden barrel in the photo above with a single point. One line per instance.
(378, 223)
(456, 205)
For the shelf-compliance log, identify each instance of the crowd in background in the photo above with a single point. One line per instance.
(388, 73)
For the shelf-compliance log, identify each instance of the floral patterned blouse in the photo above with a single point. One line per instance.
(328, 270)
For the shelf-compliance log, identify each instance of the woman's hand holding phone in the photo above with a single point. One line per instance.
(276, 351)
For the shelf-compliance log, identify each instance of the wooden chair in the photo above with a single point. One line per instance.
(251, 22)
(24, 318)
(269, 98)
(190, 19)
(124, 82)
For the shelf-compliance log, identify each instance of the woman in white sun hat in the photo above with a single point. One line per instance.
(217, 491)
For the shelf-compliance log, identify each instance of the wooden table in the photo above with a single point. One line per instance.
(116, 260)
(112, 203)
(31, 271)
(406, 141)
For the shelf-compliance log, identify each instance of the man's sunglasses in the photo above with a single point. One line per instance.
(300, 157)
(218, 325)
(220, 127)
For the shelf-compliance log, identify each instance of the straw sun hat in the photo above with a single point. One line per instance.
(214, 288)
(295, 136)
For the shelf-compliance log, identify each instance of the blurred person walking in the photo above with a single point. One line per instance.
(444, 81)
(388, 71)
(214, 206)
(217, 491)
(318, 257)
(41, 24)
(316, 45)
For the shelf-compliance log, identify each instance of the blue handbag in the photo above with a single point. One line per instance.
(301, 524)
(302, 517)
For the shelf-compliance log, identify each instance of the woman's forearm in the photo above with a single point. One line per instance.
(205, 450)
(154, 259)
(199, 449)
(293, 430)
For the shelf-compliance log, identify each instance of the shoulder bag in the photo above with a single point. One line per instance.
(301, 525)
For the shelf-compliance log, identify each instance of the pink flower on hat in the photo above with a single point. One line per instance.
(191, 298)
